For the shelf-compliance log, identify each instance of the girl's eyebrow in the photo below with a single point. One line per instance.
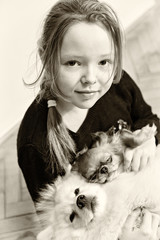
(71, 56)
(80, 57)
(106, 55)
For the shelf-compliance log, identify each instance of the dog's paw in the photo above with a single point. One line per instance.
(138, 137)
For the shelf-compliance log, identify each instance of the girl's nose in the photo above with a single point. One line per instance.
(89, 76)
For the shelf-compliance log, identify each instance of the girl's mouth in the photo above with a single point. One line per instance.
(87, 91)
(87, 94)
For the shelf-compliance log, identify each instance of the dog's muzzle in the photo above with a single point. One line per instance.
(88, 202)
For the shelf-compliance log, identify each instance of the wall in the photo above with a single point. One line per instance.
(143, 55)
(20, 24)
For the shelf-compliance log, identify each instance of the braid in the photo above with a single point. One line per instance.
(60, 18)
(61, 145)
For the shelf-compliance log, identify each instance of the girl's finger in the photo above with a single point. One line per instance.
(158, 233)
(144, 161)
(146, 226)
(136, 160)
(155, 224)
(130, 222)
(150, 160)
(128, 156)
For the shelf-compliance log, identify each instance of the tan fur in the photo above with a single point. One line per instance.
(107, 151)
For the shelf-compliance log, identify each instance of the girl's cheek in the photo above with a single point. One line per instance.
(107, 85)
(106, 79)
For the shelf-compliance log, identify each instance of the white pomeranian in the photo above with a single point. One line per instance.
(74, 209)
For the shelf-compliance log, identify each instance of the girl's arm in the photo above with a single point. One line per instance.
(33, 168)
(141, 112)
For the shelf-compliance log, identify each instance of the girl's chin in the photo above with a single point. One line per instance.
(83, 103)
(86, 104)
(86, 101)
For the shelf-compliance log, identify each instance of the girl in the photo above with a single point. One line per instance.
(83, 90)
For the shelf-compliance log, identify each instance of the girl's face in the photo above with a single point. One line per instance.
(86, 64)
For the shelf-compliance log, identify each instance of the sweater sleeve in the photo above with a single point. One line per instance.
(33, 169)
(141, 112)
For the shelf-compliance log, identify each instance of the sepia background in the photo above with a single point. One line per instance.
(20, 27)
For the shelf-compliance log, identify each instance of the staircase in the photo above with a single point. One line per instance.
(18, 219)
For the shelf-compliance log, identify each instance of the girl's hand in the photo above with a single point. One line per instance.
(137, 158)
(148, 229)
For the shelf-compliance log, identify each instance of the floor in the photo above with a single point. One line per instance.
(17, 213)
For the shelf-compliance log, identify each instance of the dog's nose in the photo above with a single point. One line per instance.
(81, 200)
(104, 170)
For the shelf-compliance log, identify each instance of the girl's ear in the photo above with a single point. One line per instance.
(40, 48)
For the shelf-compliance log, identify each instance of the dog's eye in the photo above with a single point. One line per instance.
(76, 191)
(93, 177)
(104, 170)
(109, 160)
(72, 216)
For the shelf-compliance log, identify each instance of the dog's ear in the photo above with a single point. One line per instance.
(99, 138)
(96, 138)
(75, 165)
(138, 137)
(111, 131)
(84, 150)
(46, 195)
(128, 138)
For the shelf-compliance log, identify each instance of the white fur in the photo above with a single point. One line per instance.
(59, 201)
(115, 199)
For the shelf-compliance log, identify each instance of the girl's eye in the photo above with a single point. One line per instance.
(72, 63)
(105, 62)
(93, 177)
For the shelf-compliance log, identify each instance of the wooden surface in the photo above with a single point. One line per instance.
(18, 219)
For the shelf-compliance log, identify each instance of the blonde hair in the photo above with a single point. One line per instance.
(62, 15)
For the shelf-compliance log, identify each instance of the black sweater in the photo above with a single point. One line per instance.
(123, 101)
